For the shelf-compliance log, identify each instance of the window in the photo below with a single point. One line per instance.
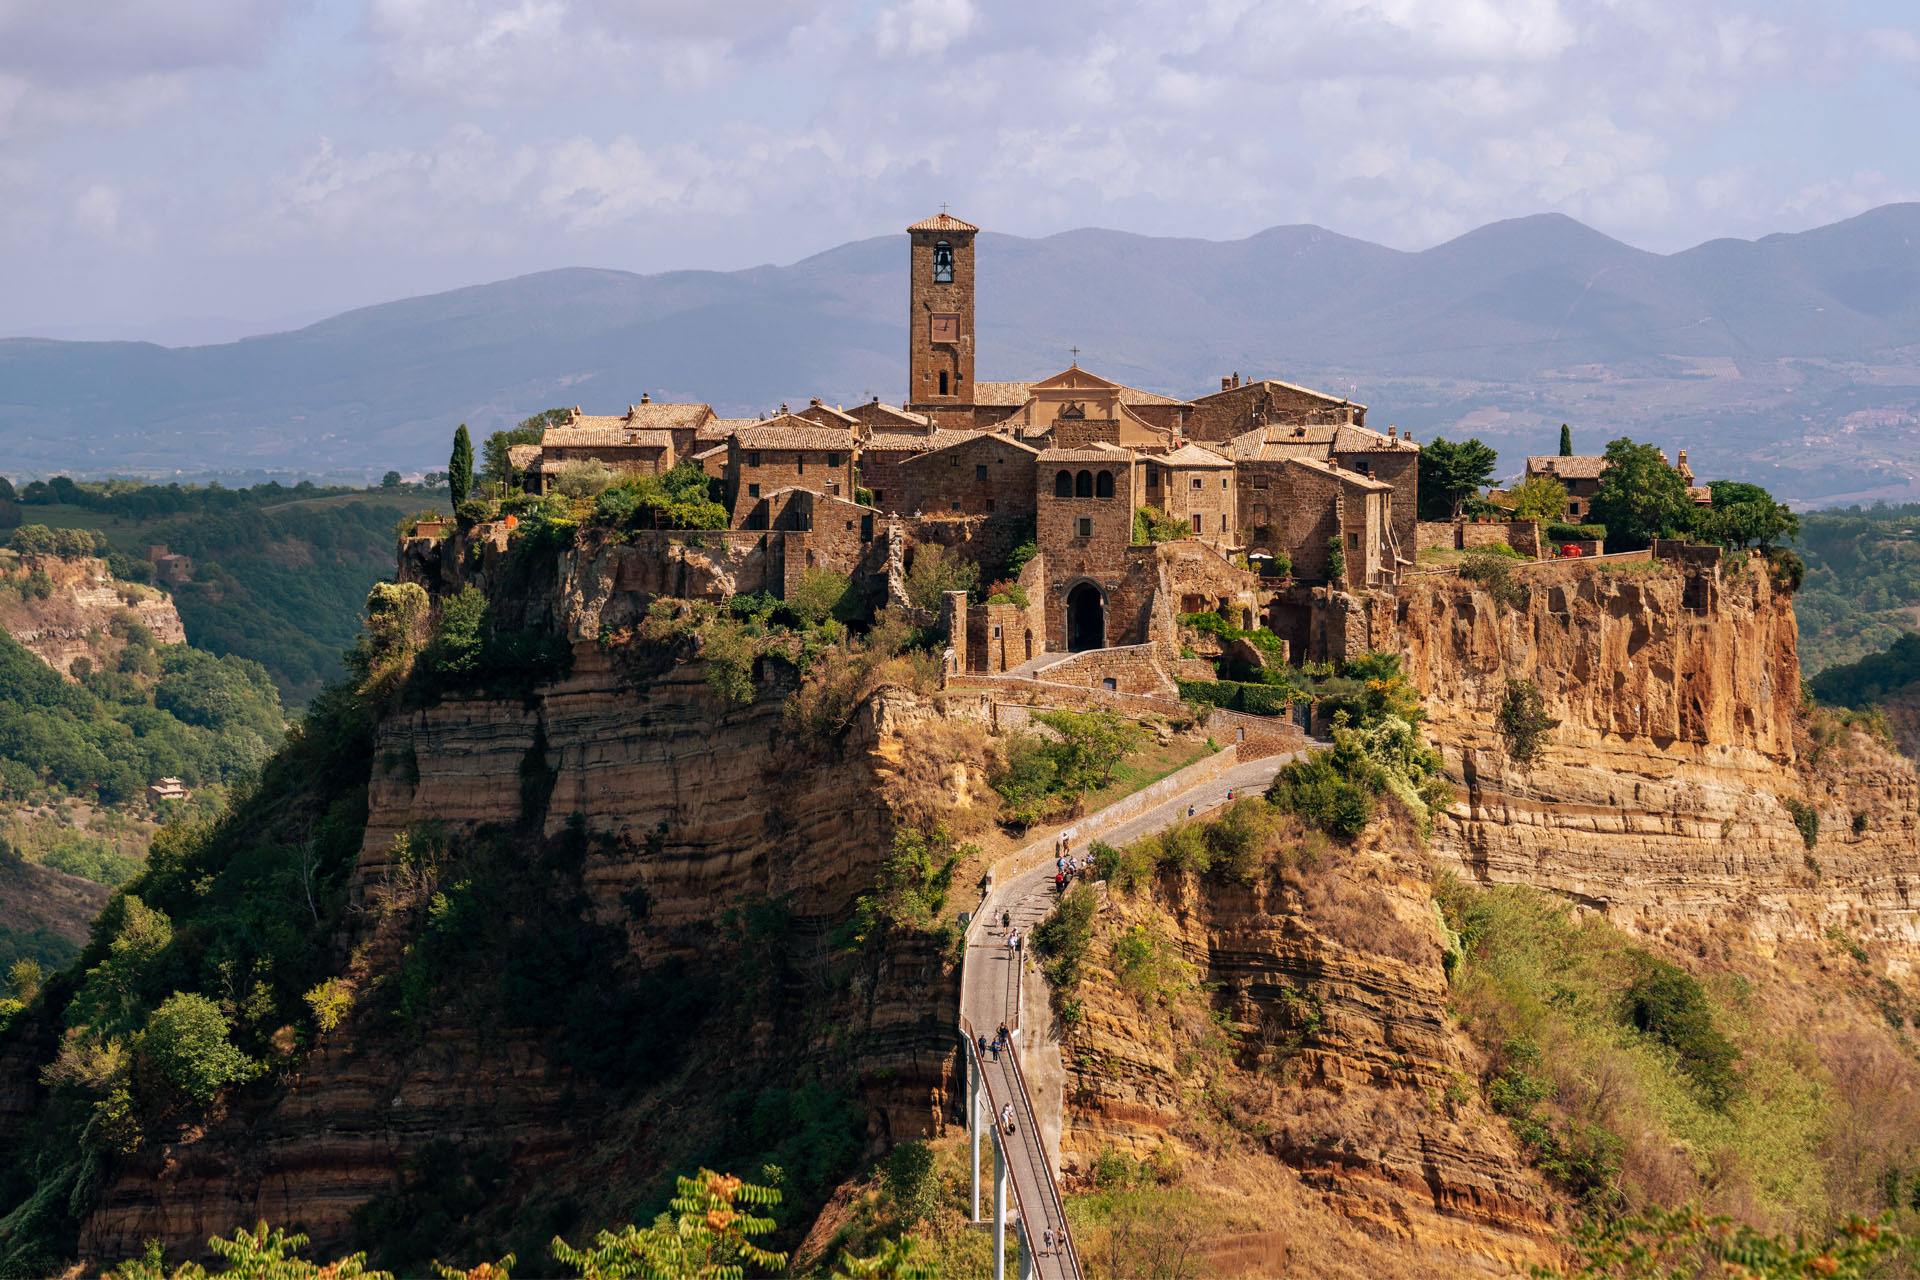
(943, 382)
(877, 496)
(1153, 478)
(753, 458)
(1223, 482)
(996, 633)
(1103, 484)
(849, 526)
(1063, 485)
(1223, 524)
(1196, 482)
(800, 464)
(1259, 484)
(1573, 508)
(1083, 485)
(833, 459)
(979, 471)
(942, 264)
(954, 460)
(753, 491)
(1196, 524)
(953, 506)
(1086, 526)
(866, 528)
(1110, 684)
(1353, 540)
(989, 504)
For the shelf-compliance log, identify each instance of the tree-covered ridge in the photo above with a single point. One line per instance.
(279, 572)
(163, 710)
(1862, 590)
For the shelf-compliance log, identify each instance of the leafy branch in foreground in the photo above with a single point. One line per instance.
(1680, 1244)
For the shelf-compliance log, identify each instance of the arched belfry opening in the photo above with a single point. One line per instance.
(1086, 618)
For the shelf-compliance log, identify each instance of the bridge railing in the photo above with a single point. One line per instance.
(1064, 1237)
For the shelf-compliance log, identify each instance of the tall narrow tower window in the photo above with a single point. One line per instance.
(942, 263)
(943, 382)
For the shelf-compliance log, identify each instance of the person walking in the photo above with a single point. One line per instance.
(1046, 1238)
(1006, 919)
(1006, 1118)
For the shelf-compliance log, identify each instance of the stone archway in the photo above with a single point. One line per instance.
(1086, 618)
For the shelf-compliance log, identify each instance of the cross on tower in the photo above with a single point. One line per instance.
(1076, 356)
(943, 208)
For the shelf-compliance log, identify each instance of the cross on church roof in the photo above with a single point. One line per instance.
(943, 206)
(1076, 356)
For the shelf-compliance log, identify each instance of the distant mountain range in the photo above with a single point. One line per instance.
(1793, 360)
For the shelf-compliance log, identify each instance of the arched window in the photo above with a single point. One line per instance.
(942, 263)
(1103, 485)
(943, 382)
(1083, 485)
(1063, 485)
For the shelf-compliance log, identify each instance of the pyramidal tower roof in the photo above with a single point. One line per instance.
(942, 221)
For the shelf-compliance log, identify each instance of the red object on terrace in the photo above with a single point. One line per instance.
(1571, 552)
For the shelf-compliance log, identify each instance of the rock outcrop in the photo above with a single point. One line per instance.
(1667, 792)
(75, 619)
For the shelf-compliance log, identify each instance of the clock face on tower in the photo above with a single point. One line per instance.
(946, 327)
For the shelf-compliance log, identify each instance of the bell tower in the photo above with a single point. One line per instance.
(940, 314)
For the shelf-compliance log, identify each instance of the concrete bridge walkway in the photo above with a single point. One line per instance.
(994, 990)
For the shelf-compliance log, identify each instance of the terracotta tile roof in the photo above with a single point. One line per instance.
(588, 432)
(523, 455)
(1275, 382)
(1134, 395)
(1701, 495)
(826, 413)
(876, 409)
(1352, 439)
(1273, 442)
(901, 443)
(1002, 393)
(954, 439)
(1354, 478)
(1099, 451)
(713, 452)
(791, 432)
(1583, 467)
(1192, 455)
(942, 222)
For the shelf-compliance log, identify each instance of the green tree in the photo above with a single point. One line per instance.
(822, 594)
(260, 1254)
(186, 1041)
(934, 572)
(496, 464)
(1092, 743)
(1677, 1244)
(1742, 514)
(460, 466)
(1538, 498)
(709, 1235)
(897, 1260)
(1640, 497)
(391, 480)
(1450, 473)
(1566, 441)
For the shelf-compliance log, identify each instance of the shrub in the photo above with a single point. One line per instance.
(1806, 818)
(1524, 721)
(913, 1181)
(822, 594)
(1667, 1003)
(583, 478)
(1789, 570)
(1314, 788)
(1064, 937)
(330, 1002)
(1575, 532)
(1150, 525)
(1494, 572)
(1336, 559)
(1145, 965)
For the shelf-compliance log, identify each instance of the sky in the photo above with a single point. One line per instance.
(193, 170)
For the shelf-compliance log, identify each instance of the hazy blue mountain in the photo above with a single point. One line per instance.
(1794, 359)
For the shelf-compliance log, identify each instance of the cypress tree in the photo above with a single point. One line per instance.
(1566, 441)
(460, 466)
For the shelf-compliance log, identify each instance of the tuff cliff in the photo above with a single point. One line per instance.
(1666, 793)
(703, 847)
(75, 616)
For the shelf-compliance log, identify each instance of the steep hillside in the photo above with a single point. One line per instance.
(65, 607)
(1787, 361)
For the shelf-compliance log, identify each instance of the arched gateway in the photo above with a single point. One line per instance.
(1086, 618)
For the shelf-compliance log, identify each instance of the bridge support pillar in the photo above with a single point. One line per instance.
(973, 1128)
(1027, 1268)
(999, 1209)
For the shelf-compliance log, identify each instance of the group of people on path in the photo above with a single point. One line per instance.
(1068, 866)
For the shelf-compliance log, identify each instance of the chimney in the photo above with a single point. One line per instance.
(783, 406)
(645, 398)
(876, 399)
(814, 403)
(1236, 377)
(1226, 383)
(1683, 457)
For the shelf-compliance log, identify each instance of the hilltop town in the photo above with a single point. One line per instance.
(1269, 504)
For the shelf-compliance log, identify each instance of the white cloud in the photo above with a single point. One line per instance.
(919, 28)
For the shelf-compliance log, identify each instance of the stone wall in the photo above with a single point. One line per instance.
(1235, 410)
(1523, 536)
(1134, 669)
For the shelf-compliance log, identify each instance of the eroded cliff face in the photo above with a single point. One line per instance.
(74, 621)
(1666, 792)
(686, 809)
(1330, 1055)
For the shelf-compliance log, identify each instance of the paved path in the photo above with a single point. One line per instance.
(990, 996)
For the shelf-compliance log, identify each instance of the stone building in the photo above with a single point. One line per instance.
(1195, 485)
(786, 452)
(1238, 407)
(940, 344)
(1580, 474)
(625, 443)
(976, 474)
